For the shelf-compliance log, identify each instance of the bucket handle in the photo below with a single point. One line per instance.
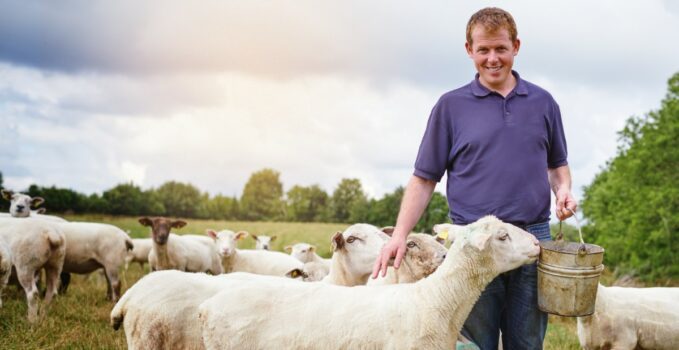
(582, 250)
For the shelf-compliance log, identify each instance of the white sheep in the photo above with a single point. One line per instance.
(354, 254)
(263, 242)
(305, 253)
(632, 318)
(91, 246)
(428, 314)
(5, 266)
(20, 207)
(423, 256)
(171, 251)
(139, 253)
(312, 271)
(262, 262)
(34, 245)
(161, 309)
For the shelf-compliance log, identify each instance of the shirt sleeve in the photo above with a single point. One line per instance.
(432, 158)
(558, 152)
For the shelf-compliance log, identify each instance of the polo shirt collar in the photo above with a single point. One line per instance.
(481, 91)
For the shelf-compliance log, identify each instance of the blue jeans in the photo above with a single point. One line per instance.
(510, 304)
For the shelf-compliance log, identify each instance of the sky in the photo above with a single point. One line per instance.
(97, 93)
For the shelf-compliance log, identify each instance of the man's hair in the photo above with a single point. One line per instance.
(492, 19)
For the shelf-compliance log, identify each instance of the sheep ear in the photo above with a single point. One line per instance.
(448, 231)
(41, 211)
(312, 248)
(36, 201)
(273, 238)
(337, 241)
(254, 236)
(294, 273)
(178, 224)
(389, 230)
(7, 195)
(241, 234)
(288, 248)
(211, 233)
(145, 221)
(481, 240)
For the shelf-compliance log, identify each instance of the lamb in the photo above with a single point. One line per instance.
(148, 320)
(5, 266)
(423, 256)
(34, 245)
(632, 318)
(20, 207)
(92, 246)
(354, 253)
(427, 314)
(139, 253)
(312, 271)
(263, 242)
(170, 251)
(260, 262)
(305, 253)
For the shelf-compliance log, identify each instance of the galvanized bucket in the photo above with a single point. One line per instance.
(568, 275)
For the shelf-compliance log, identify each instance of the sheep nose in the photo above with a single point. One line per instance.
(20, 207)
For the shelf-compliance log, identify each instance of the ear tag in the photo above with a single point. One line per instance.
(443, 235)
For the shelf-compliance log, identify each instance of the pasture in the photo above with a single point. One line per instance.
(80, 318)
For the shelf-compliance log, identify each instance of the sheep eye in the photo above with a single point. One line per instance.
(504, 236)
(351, 239)
(412, 245)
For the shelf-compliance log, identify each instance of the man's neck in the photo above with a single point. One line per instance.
(503, 89)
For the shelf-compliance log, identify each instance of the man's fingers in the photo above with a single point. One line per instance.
(376, 266)
(385, 261)
(399, 256)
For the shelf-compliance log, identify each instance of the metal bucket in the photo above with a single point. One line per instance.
(568, 276)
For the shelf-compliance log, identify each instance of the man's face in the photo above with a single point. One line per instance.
(493, 56)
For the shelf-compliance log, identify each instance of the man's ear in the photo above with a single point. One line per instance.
(145, 221)
(36, 201)
(468, 47)
(178, 224)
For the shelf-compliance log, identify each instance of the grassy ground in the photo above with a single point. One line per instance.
(80, 318)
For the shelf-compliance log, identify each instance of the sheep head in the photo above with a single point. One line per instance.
(160, 227)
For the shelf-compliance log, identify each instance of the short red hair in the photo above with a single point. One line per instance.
(492, 19)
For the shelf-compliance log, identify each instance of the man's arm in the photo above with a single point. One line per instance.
(415, 200)
(560, 182)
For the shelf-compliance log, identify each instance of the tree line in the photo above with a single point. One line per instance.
(263, 199)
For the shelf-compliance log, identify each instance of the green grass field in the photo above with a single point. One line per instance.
(80, 318)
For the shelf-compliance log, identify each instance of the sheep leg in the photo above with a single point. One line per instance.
(65, 278)
(52, 282)
(113, 283)
(27, 281)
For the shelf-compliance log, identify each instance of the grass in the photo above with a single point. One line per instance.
(79, 319)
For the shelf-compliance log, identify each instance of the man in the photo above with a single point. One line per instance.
(500, 140)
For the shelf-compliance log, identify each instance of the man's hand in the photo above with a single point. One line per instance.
(396, 247)
(564, 199)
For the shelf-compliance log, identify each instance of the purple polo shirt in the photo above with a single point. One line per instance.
(496, 151)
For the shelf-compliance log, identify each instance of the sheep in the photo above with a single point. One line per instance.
(427, 314)
(170, 251)
(139, 253)
(160, 311)
(632, 318)
(20, 207)
(263, 242)
(91, 246)
(305, 253)
(261, 262)
(423, 256)
(5, 266)
(354, 253)
(312, 271)
(34, 245)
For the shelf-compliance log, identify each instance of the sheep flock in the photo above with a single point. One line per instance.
(204, 292)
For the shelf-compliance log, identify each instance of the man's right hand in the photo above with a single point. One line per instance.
(396, 247)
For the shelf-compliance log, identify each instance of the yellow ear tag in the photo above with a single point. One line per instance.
(443, 235)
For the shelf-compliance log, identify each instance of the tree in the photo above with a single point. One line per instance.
(435, 213)
(306, 204)
(124, 199)
(180, 199)
(59, 200)
(347, 196)
(632, 204)
(262, 197)
(4, 205)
